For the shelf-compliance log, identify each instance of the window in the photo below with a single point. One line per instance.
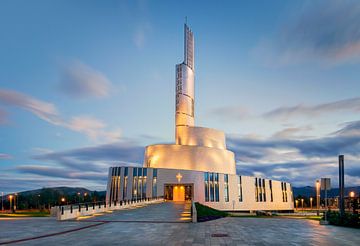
(264, 190)
(126, 171)
(284, 192)
(271, 191)
(144, 182)
(240, 189)
(260, 190)
(154, 183)
(135, 183)
(206, 180)
(256, 190)
(211, 184)
(226, 187)
(216, 182)
(211, 181)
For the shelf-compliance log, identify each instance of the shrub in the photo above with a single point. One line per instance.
(205, 213)
(348, 220)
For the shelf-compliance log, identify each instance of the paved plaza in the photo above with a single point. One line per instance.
(167, 224)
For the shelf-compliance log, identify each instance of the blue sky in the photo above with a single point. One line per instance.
(87, 84)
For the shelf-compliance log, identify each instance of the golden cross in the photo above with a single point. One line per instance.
(178, 176)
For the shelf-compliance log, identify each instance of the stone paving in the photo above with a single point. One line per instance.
(111, 229)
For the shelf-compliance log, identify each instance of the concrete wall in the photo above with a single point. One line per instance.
(196, 179)
(65, 212)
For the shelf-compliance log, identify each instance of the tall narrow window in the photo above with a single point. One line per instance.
(216, 183)
(206, 180)
(144, 182)
(135, 182)
(139, 183)
(211, 181)
(256, 190)
(260, 190)
(285, 192)
(271, 191)
(226, 187)
(264, 190)
(240, 189)
(126, 172)
(154, 183)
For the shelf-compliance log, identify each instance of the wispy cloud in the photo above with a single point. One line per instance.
(91, 127)
(292, 159)
(321, 31)
(3, 116)
(140, 34)
(81, 81)
(231, 112)
(350, 105)
(4, 156)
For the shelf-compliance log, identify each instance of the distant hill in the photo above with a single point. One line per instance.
(47, 197)
(308, 191)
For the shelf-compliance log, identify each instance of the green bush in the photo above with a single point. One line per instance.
(348, 220)
(205, 213)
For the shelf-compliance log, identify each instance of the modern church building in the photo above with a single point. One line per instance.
(197, 166)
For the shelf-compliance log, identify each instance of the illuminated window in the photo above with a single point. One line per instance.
(271, 191)
(154, 183)
(126, 172)
(264, 190)
(240, 189)
(216, 182)
(226, 187)
(206, 180)
(211, 181)
(144, 182)
(135, 183)
(256, 190)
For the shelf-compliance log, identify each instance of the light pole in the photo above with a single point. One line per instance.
(302, 204)
(78, 196)
(311, 199)
(318, 197)
(10, 198)
(296, 202)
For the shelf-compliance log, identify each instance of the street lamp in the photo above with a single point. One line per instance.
(318, 197)
(78, 196)
(311, 199)
(63, 199)
(10, 198)
(352, 194)
(297, 202)
(302, 204)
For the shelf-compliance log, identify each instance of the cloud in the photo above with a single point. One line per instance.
(350, 129)
(321, 31)
(81, 81)
(3, 117)
(91, 127)
(350, 105)
(44, 110)
(61, 173)
(140, 34)
(231, 112)
(299, 161)
(4, 156)
(292, 132)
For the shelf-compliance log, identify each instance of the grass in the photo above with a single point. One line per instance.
(20, 213)
(205, 213)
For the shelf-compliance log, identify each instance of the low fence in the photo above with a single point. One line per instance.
(73, 211)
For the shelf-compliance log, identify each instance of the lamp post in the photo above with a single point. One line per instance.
(318, 197)
(302, 204)
(296, 203)
(10, 198)
(311, 199)
(78, 196)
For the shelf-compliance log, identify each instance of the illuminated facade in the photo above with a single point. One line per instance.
(198, 166)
